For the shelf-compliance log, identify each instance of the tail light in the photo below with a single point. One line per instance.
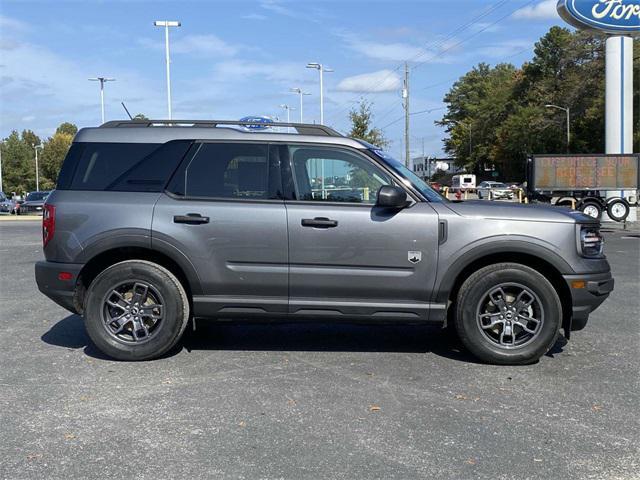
(48, 223)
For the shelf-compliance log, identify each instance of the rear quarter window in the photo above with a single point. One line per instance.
(129, 167)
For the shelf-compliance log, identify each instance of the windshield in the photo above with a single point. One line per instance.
(35, 196)
(420, 185)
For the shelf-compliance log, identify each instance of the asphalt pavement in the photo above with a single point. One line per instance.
(314, 400)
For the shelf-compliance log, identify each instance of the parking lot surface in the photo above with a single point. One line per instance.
(313, 400)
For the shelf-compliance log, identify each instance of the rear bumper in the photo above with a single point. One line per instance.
(60, 291)
(596, 289)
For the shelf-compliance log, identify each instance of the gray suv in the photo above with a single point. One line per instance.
(154, 223)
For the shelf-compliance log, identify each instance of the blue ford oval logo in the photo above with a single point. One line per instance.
(264, 121)
(611, 16)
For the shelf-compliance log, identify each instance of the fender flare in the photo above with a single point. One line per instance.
(447, 281)
(141, 239)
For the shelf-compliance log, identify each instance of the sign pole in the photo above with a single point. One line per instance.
(619, 94)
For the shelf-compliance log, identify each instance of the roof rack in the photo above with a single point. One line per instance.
(301, 128)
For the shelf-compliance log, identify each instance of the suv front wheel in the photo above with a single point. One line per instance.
(508, 314)
(136, 310)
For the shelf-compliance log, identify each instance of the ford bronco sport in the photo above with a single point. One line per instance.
(154, 223)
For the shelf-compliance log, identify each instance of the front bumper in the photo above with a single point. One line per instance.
(60, 291)
(588, 291)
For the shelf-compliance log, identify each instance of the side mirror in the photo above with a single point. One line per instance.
(390, 196)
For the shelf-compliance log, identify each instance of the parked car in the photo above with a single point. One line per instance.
(6, 204)
(154, 223)
(33, 203)
(498, 190)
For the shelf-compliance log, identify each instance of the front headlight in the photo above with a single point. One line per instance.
(591, 241)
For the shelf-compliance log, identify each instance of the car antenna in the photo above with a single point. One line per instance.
(125, 109)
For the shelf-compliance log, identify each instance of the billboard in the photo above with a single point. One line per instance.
(585, 172)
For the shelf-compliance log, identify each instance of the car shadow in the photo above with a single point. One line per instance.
(299, 337)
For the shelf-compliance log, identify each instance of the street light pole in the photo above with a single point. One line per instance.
(36, 147)
(166, 24)
(299, 91)
(321, 68)
(102, 81)
(568, 112)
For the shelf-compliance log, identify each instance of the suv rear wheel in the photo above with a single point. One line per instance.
(508, 314)
(136, 310)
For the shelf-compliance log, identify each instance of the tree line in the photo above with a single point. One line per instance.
(18, 159)
(496, 116)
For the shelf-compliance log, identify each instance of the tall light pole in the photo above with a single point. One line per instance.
(288, 109)
(102, 81)
(166, 24)
(568, 112)
(321, 68)
(301, 94)
(36, 147)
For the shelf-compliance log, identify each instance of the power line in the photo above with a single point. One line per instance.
(485, 28)
(439, 43)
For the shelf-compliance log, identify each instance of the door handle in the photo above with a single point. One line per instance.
(191, 219)
(319, 222)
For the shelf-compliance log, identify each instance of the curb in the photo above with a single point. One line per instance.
(20, 218)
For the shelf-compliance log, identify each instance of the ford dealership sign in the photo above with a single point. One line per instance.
(262, 121)
(611, 16)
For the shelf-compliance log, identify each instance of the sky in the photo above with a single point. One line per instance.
(230, 59)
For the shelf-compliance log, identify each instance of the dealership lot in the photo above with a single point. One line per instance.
(314, 400)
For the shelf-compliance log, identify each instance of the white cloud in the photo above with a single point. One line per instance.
(380, 81)
(395, 52)
(207, 45)
(243, 69)
(277, 7)
(545, 10)
(7, 23)
(254, 16)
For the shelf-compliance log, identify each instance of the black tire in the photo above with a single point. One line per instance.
(590, 208)
(479, 195)
(160, 337)
(475, 291)
(613, 209)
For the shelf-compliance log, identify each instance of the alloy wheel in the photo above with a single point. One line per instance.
(510, 315)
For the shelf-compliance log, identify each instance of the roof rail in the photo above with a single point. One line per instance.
(301, 128)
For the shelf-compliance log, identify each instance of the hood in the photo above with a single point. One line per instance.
(518, 212)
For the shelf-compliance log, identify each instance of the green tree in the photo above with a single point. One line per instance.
(53, 154)
(67, 128)
(140, 116)
(504, 106)
(18, 162)
(361, 125)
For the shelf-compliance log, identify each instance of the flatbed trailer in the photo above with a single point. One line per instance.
(592, 183)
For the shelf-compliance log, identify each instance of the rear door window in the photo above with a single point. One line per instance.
(228, 170)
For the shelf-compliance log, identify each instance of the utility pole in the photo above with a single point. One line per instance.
(166, 24)
(102, 81)
(405, 97)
